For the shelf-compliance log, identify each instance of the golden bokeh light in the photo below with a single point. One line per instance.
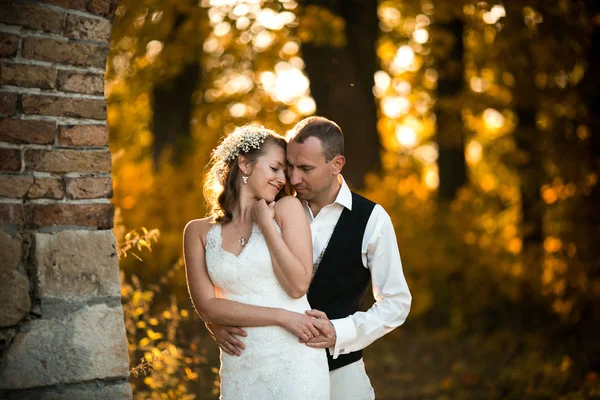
(406, 136)
(420, 36)
(395, 106)
(493, 119)
(474, 152)
(404, 59)
(494, 14)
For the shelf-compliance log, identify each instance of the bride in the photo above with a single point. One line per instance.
(249, 264)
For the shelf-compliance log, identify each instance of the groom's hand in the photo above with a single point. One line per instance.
(328, 337)
(224, 336)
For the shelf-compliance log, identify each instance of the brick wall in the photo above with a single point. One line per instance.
(61, 322)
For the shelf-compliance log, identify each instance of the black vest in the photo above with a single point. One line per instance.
(341, 278)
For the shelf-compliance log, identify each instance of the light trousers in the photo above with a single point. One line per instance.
(351, 382)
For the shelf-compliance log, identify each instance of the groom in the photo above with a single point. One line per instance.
(354, 243)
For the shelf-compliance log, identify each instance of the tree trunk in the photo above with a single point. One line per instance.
(341, 82)
(172, 112)
(450, 136)
(531, 173)
(529, 139)
(590, 87)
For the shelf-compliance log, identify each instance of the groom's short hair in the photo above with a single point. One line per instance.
(327, 131)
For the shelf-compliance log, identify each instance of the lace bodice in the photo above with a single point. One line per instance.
(273, 365)
(249, 277)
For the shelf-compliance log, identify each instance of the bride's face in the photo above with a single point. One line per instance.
(267, 177)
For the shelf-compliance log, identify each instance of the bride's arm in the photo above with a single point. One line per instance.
(292, 253)
(210, 308)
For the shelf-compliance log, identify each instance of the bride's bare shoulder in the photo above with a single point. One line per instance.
(288, 204)
(199, 227)
(288, 208)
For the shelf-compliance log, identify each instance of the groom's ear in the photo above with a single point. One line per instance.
(338, 163)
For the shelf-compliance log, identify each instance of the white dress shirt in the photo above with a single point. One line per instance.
(381, 256)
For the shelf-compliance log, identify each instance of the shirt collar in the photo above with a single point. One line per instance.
(344, 196)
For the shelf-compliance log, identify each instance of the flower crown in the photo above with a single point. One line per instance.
(240, 141)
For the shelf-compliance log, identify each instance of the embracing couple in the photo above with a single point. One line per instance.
(292, 270)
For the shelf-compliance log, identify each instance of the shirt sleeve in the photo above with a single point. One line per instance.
(390, 290)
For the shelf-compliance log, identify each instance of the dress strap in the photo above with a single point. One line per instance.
(213, 236)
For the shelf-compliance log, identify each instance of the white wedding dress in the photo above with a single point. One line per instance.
(274, 364)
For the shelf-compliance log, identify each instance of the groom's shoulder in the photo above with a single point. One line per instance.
(371, 209)
(363, 201)
(362, 208)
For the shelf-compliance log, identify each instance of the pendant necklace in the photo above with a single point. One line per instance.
(241, 240)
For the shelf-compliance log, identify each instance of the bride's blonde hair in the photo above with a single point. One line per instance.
(221, 185)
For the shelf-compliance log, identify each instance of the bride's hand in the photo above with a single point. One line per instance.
(299, 324)
(263, 213)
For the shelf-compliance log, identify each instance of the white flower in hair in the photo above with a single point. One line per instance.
(240, 142)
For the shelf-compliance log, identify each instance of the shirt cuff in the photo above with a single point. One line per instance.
(345, 332)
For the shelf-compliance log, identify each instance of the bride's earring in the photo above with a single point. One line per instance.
(245, 179)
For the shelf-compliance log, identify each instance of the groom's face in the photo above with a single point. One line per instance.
(308, 171)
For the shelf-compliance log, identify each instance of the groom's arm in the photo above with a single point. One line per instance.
(390, 290)
(223, 335)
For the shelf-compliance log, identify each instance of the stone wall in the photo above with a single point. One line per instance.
(62, 334)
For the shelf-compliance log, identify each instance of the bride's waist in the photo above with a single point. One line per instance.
(270, 341)
(297, 305)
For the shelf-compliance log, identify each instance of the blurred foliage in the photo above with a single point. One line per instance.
(495, 315)
(173, 362)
